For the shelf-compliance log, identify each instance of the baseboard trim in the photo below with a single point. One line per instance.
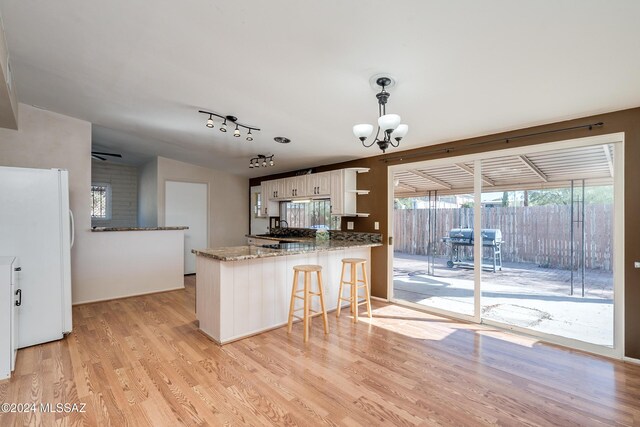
(631, 360)
(379, 299)
(127, 296)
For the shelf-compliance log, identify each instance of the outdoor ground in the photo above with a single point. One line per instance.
(522, 294)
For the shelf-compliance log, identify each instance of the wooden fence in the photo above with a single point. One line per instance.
(537, 234)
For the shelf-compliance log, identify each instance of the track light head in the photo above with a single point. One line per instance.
(249, 136)
(210, 121)
(261, 160)
(236, 132)
(223, 126)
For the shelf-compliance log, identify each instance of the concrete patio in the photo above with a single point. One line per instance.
(522, 294)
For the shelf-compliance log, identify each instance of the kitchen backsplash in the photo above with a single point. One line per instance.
(353, 236)
(350, 236)
(294, 232)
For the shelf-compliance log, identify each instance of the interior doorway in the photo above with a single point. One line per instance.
(524, 239)
(186, 204)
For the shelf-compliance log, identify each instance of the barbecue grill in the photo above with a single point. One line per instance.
(463, 237)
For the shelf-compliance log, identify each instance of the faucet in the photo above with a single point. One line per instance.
(283, 221)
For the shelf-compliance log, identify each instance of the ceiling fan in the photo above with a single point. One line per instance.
(98, 155)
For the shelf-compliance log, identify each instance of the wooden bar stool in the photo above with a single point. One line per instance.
(306, 297)
(355, 284)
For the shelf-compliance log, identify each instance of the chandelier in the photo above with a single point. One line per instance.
(389, 124)
(233, 120)
(261, 160)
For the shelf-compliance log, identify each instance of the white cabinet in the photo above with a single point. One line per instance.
(296, 186)
(338, 185)
(319, 184)
(274, 189)
(270, 204)
(10, 301)
(344, 192)
(265, 194)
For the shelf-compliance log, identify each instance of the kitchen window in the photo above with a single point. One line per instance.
(100, 201)
(313, 214)
(257, 204)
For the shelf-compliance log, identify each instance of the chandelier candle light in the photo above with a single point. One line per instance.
(390, 124)
(233, 120)
(261, 160)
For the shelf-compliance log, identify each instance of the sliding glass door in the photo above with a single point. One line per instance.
(521, 238)
(555, 222)
(432, 233)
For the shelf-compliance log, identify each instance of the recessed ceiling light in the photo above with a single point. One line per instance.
(282, 139)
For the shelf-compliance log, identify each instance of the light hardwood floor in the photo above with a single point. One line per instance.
(142, 361)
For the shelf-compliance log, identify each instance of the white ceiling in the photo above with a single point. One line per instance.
(140, 70)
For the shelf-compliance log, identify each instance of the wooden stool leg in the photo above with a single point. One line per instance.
(340, 292)
(354, 292)
(306, 306)
(293, 300)
(322, 307)
(366, 288)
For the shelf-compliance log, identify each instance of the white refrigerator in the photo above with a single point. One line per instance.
(36, 226)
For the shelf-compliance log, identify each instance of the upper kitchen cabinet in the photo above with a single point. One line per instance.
(344, 192)
(270, 205)
(274, 189)
(296, 186)
(319, 184)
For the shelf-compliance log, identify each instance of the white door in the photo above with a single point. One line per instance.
(186, 204)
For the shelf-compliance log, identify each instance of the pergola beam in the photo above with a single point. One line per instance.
(470, 172)
(528, 163)
(431, 178)
(407, 187)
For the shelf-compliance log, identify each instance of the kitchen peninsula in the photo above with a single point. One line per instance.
(245, 290)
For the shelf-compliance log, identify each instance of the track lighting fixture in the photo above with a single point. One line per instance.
(261, 161)
(390, 124)
(233, 120)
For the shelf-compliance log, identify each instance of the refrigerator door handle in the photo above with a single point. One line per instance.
(73, 228)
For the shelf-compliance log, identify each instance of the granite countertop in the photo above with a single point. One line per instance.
(239, 253)
(138, 228)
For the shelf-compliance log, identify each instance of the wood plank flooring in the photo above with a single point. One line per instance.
(142, 361)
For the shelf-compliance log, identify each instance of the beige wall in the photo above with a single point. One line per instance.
(8, 99)
(228, 199)
(50, 140)
(148, 194)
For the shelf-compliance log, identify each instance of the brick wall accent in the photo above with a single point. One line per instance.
(124, 193)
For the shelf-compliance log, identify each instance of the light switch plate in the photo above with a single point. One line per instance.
(636, 264)
(376, 225)
(349, 225)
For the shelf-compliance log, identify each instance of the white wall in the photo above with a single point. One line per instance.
(124, 193)
(126, 263)
(228, 199)
(148, 194)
